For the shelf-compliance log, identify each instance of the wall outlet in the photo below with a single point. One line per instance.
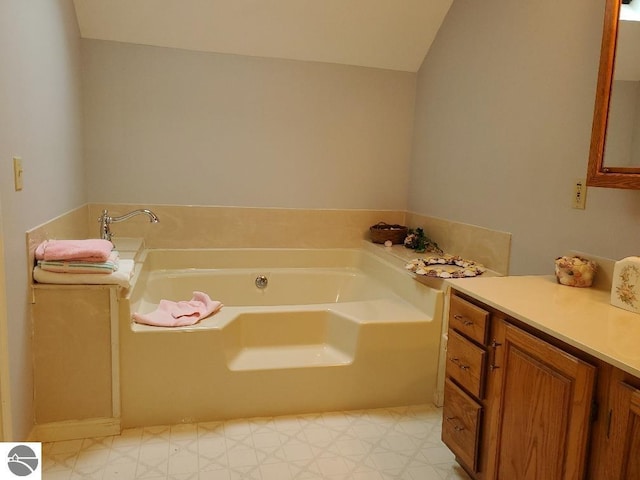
(17, 173)
(579, 194)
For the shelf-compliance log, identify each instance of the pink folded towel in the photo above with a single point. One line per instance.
(180, 314)
(90, 250)
(78, 266)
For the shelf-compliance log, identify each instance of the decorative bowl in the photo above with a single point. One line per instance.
(575, 271)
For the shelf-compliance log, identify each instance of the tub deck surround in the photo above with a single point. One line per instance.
(253, 227)
(200, 226)
(334, 329)
(491, 248)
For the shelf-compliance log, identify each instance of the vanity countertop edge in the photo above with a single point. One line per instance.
(581, 317)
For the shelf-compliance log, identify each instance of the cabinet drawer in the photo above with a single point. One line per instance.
(461, 424)
(469, 319)
(465, 363)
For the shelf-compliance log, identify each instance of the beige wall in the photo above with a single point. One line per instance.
(503, 122)
(168, 126)
(41, 122)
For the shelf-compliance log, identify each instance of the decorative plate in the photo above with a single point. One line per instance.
(446, 266)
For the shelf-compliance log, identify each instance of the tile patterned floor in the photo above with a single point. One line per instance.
(380, 444)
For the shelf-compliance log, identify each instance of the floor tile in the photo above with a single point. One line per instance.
(400, 443)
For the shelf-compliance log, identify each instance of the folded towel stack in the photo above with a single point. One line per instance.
(77, 262)
(77, 256)
(82, 266)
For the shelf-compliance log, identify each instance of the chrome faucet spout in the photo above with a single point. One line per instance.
(106, 220)
(152, 216)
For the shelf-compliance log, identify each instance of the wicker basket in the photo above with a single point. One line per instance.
(381, 232)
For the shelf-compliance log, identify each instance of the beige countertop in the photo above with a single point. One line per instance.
(581, 317)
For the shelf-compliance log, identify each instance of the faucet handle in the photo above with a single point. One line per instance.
(105, 230)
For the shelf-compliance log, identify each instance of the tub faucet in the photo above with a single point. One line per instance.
(106, 220)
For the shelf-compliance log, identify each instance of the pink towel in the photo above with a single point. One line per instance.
(180, 314)
(90, 250)
(77, 266)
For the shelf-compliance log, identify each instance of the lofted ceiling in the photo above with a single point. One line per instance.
(388, 34)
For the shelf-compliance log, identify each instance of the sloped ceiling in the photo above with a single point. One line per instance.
(389, 34)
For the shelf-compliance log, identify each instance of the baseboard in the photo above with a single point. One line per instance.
(438, 398)
(74, 429)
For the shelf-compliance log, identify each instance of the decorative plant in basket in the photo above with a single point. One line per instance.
(418, 241)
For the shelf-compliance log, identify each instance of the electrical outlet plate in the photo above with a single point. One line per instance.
(579, 194)
(17, 173)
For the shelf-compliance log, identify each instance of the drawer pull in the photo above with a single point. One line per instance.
(465, 322)
(456, 360)
(457, 428)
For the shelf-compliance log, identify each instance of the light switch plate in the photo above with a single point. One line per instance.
(17, 173)
(579, 194)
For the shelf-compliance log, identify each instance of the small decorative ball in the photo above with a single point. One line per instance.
(388, 243)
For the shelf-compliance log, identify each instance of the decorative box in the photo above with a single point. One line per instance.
(625, 285)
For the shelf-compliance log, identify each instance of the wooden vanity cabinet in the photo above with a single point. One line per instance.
(622, 436)
(529, 411)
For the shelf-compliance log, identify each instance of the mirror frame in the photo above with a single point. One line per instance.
(597, 174)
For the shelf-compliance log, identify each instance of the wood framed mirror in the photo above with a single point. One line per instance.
(613, 160)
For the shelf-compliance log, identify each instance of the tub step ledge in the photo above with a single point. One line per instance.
(290, 356)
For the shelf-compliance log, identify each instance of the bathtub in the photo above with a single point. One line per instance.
(333, 329)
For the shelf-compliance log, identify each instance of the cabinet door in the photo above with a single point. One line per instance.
(545, 398)
(624, 461)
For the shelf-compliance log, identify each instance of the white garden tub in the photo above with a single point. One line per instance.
(333, 329)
